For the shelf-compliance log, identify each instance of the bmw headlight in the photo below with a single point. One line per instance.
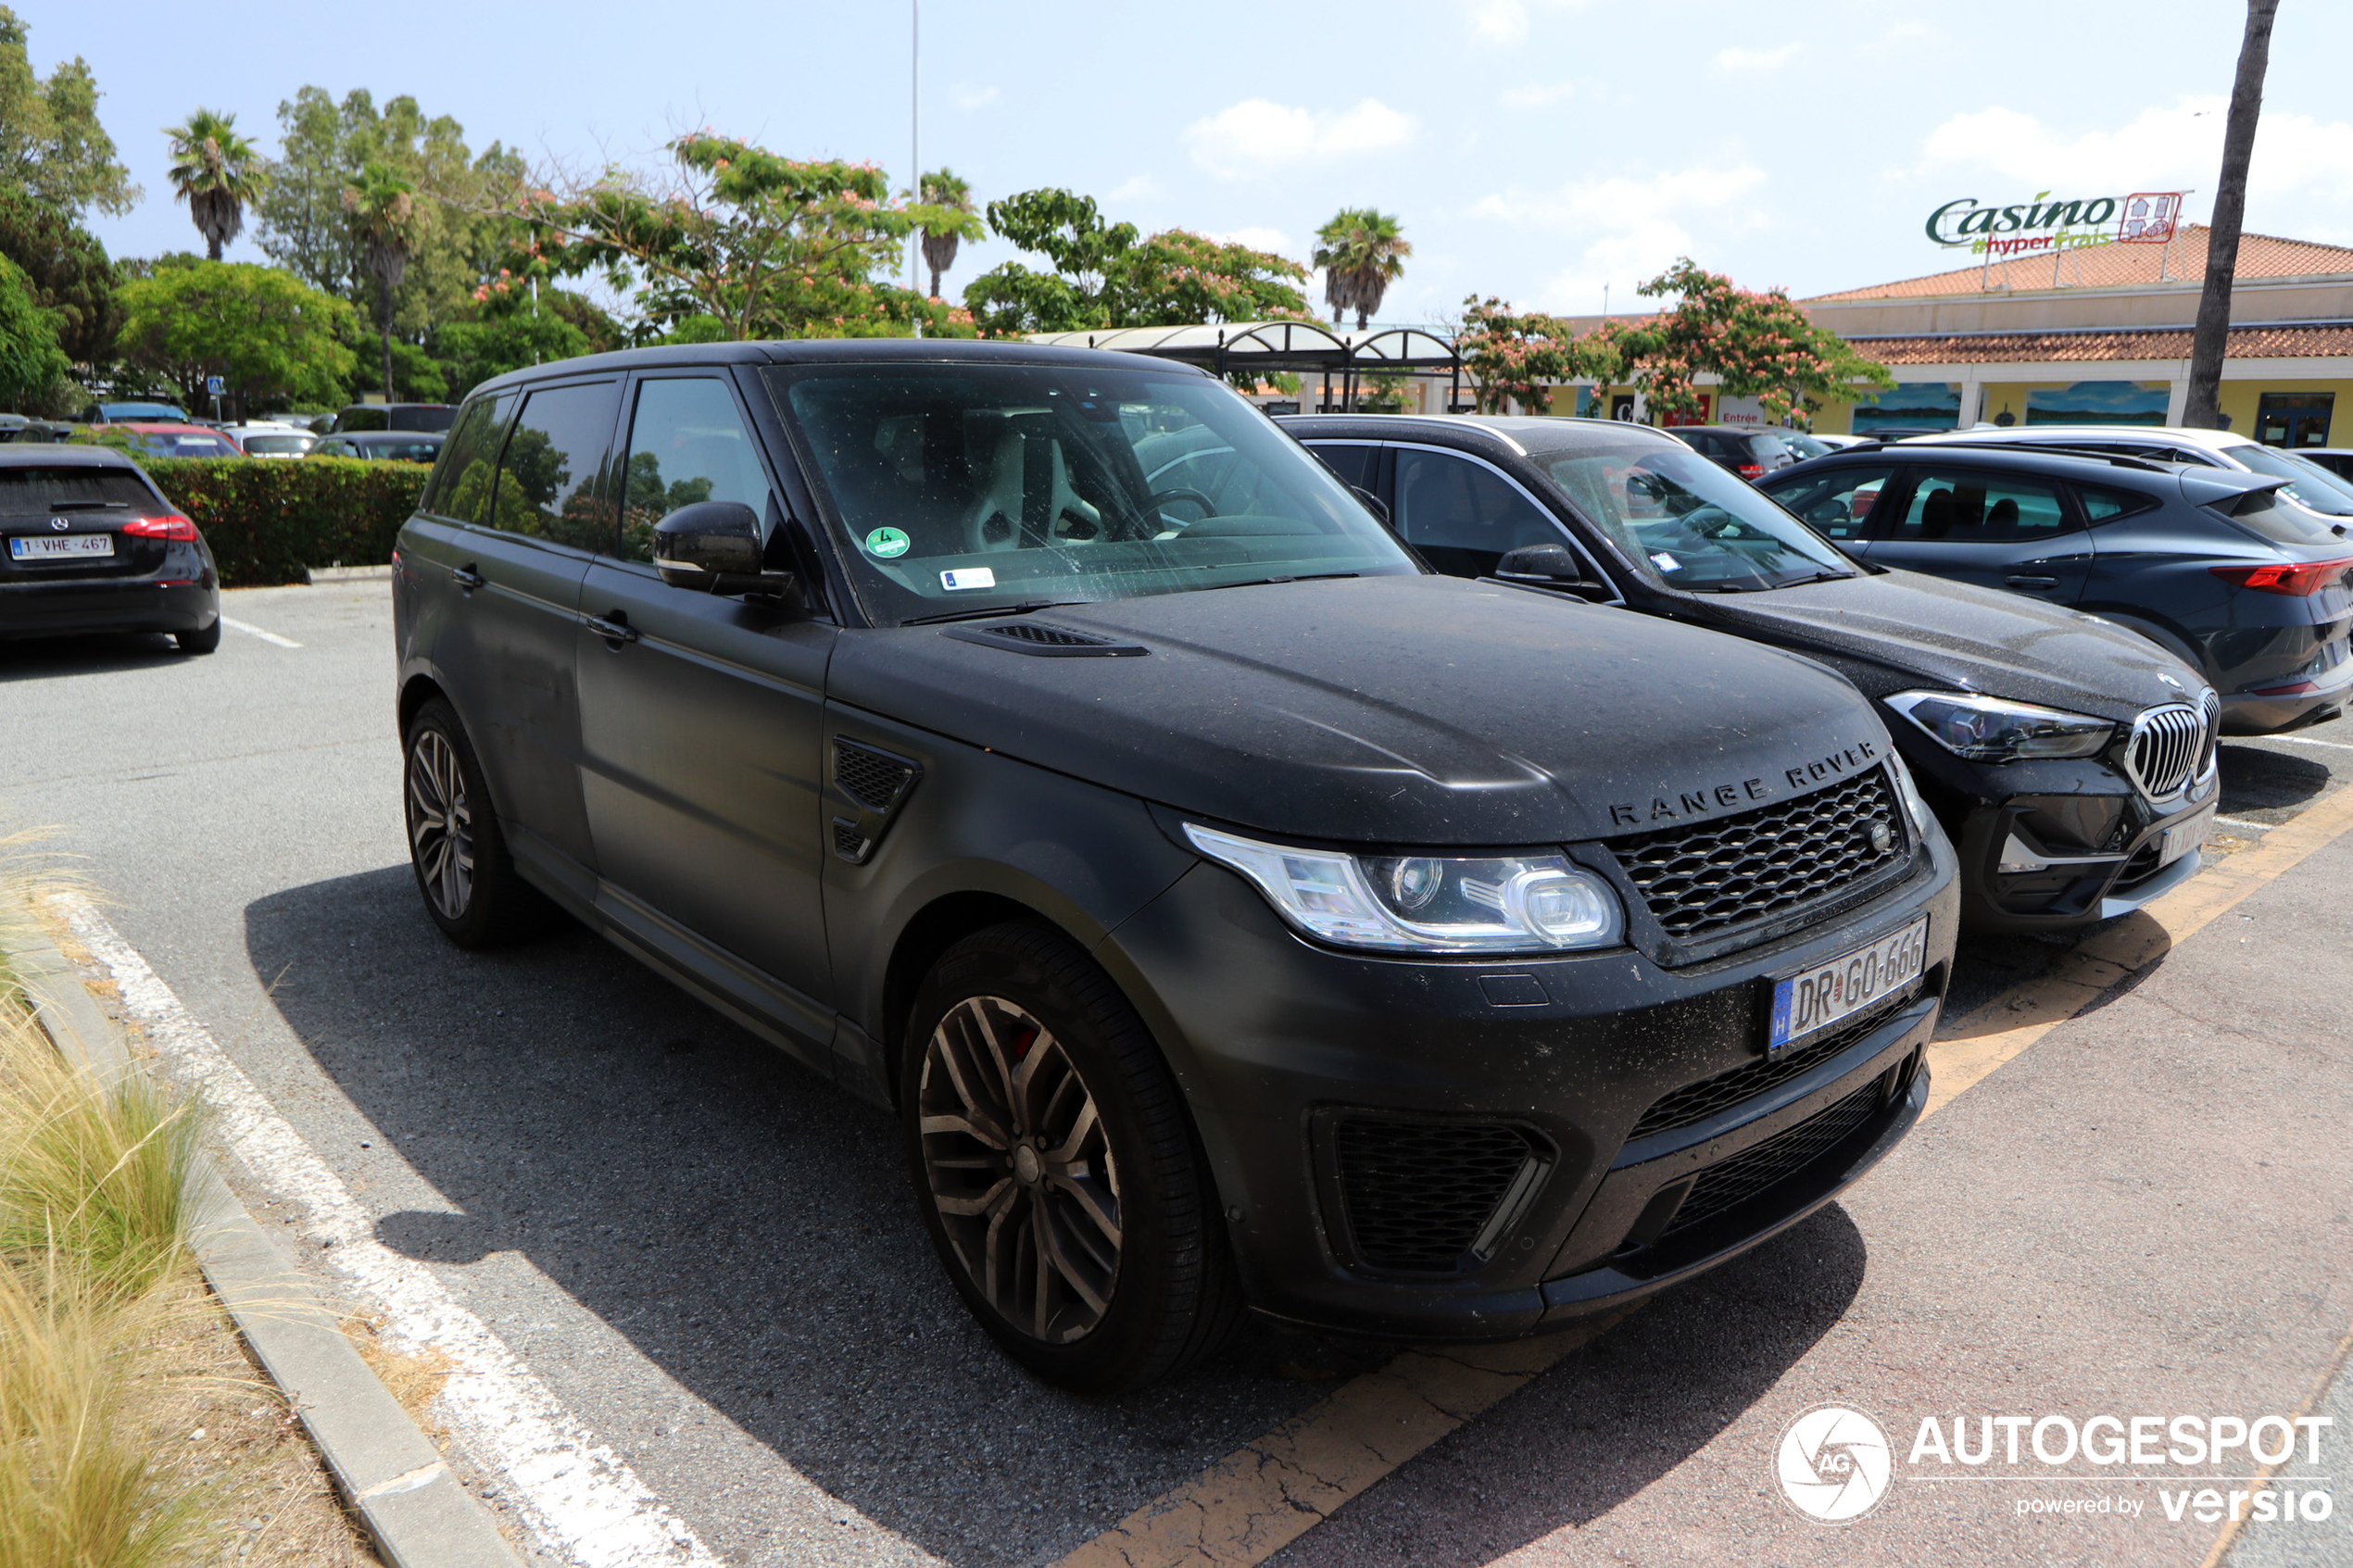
(1992, 729)
(1427, 903)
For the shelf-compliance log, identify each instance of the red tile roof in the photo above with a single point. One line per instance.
(2114, 264)
(2002, 348)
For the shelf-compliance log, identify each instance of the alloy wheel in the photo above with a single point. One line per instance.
(1020, 1168)
(440, 823)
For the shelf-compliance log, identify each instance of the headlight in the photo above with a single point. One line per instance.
(1989, 729)
(1426, 903)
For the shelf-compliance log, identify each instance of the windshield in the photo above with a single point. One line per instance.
(175, 443)
(1800, 445)
(962, 487)
(143, 411)
(1688, 523)
(2307, 482)
(271, 446)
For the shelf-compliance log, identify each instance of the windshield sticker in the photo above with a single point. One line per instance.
(885, 543)
(970, 577)
(1666, 563)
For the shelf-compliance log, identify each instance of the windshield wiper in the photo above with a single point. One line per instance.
(1302, 577)
(1817, 577)
(979, 614)
(82, 505)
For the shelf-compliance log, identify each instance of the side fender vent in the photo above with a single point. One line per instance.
(1041, 641)
(875, 784)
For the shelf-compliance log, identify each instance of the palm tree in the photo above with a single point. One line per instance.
(384, 216)
(1362, 251)
(216, 171)
(942, 188)
(2210, 339)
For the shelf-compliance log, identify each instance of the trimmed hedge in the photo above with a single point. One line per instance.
(268, 519)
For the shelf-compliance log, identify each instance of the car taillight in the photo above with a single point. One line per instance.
(1752, 470)
(171, 526)
(2299, 579)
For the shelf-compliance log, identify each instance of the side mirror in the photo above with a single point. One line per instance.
(1553, 566)
(713, 546)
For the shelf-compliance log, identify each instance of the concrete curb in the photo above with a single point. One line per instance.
(389, 1472)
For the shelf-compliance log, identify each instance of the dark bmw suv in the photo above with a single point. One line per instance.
(2072, 763)
(1234, 912)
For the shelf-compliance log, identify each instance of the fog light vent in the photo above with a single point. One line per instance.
(1428, 1196)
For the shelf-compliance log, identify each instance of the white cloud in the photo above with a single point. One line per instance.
(1258, 135)
(2176, 146)
(1136, 187)
(1256, 239)
(1753, 61)
(974, 97)
(1497, 22)
(1537, 97)
(1632, 228)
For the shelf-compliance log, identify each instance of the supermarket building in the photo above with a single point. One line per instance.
(2098, 333)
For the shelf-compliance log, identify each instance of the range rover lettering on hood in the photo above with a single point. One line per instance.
(1715, 799)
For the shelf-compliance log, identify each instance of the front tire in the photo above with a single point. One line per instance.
(456, 845)
(1056, 1168)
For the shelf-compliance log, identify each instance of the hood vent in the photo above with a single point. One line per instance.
(1041, 641)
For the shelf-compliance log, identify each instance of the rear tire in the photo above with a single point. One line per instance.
(205, 641)
(456, 845)
(1057, 1169)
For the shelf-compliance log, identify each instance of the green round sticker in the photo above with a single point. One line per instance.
(885, 543)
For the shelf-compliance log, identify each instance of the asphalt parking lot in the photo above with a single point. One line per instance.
(713, 1262)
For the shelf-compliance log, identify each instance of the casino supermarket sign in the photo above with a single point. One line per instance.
(2024, 228)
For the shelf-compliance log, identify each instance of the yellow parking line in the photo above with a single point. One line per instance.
(1269, 1493)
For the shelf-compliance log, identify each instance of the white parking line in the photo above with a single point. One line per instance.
(235, 626)
(584, 1505)
(2307, 740)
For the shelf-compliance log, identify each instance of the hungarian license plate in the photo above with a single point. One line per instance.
(2183, 837)
(1806, 1004)
(60, 547)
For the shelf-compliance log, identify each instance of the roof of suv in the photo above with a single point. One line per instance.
(1517, 432)
(2179, 435)
(2032, 457)
(846, 351)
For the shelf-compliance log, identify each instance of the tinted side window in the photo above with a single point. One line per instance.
(687, 444)
(461, 484)
(549, 477)
(2102, 504)
(1352, 463)
(1837, 503)
(1446, 502)
(1976, 507)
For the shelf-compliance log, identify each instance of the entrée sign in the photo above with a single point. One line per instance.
(2143, 218)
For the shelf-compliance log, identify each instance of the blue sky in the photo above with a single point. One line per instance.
(1535, 149)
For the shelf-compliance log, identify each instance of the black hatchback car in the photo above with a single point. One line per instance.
(2211, 564)
(92, 546)
(1233, 911)
(2072, 763)
(1752, 454)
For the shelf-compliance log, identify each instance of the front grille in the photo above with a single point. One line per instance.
(2172, 744)
(1703, 879)
(1425, 1196)
(1697, 1102)
(1735, 1180)
(873, 779)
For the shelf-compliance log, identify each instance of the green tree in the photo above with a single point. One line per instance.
(51, 142)
(1362, 252)
(384, 216)
(1518, 357)
(1108, 275)
(216, 171)
(759, 245)
(30, 362)
(473, 352)
(1757, 345)
(66, 272)
(943, 188)
(261, 328)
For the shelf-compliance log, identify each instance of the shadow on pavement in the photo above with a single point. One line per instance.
(2256, 780)
(752, 1233)
(1610, 1420)
(41, 659)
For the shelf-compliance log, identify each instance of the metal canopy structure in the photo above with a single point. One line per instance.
(1272, 347)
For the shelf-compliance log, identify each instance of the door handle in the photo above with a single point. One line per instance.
(468, 578)
(2031, 581)
(613, 627)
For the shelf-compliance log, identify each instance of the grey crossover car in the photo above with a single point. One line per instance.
(1234, 912)
(2212, 564)
(2072, 762)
